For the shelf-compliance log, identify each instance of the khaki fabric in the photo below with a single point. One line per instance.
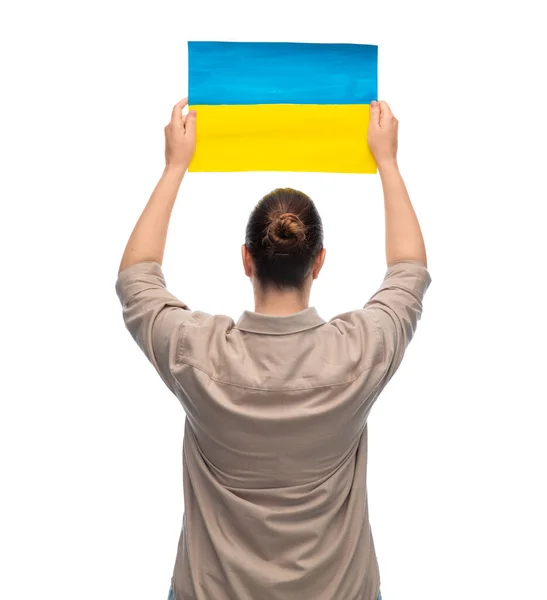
(275, 438)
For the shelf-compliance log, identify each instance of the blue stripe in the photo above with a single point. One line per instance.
(282, 73)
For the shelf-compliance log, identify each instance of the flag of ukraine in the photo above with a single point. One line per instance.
(282, 106)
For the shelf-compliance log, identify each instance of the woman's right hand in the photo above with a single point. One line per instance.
(382, 134)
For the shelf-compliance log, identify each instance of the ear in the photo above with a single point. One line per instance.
(319, 261)
(247, 261)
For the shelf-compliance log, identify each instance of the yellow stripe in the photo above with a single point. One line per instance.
(283, 137)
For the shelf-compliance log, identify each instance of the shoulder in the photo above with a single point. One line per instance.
(355, 322)
(356, 336)
(212, 322)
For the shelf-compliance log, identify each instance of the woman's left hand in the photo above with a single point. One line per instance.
(180, 137)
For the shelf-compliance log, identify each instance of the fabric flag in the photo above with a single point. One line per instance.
(282, 106)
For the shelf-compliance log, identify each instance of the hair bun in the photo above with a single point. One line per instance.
(286, 230)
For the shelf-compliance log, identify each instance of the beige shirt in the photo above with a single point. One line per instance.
(275, 439)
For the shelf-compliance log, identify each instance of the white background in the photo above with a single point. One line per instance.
(90, 438)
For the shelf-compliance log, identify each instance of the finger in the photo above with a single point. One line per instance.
(385, 112)
(190, 123)
(374, 112)
(176, 115)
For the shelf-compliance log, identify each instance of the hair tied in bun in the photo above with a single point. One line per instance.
(286, 230)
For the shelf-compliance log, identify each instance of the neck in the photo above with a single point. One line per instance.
(280, 303)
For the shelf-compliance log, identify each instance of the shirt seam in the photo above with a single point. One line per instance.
(378, 332)
(263, 389)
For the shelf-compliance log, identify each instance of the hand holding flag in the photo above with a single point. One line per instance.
(383, 133)
(180, 137)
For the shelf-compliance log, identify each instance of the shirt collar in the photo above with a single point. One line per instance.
(254, 322)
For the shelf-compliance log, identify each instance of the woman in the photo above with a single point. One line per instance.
(275, 439)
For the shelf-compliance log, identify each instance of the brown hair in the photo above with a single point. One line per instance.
(284, 236)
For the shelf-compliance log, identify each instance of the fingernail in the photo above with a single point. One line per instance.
(373, 103)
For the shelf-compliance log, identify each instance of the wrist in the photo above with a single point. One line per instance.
(175, 169)
(387, 165)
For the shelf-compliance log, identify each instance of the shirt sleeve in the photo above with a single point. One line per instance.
(154, 317)
(396, 309)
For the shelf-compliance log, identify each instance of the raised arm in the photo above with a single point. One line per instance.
(404, 239)
(153, 316)
(397, 305)
(147, 241)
